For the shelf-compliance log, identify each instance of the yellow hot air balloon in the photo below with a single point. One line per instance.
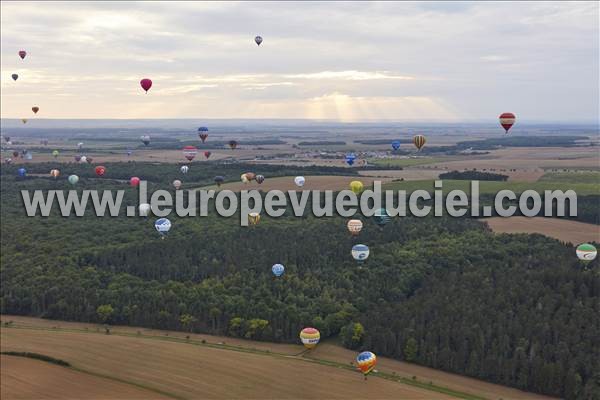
(419, 141)
(310, 337)
(355, 226)
(356, 186)
(244, 178)
(254, 218)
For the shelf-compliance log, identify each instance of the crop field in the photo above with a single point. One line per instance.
(564, 230)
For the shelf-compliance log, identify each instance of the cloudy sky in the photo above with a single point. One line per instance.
(355, 61)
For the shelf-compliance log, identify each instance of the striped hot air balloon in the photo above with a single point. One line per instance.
(189, 152)
(360, 252)
(254, 218)
(310, 337)
(366, 362)
(381, 217)
(355, 226)
(586, 252)
(419, 141)
(507, 120)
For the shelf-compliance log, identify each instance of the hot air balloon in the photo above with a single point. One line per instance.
(507, 120)
(54, 173)
(250, 175)
(129, 152)
(88, 159)
(77, 158)
(258, 40)
(134, 181)
(83, 159)
(381, 217)
(22, 54)
(144, 209)
(278, 269)
(15, 154)
(146, 84)
(310, 337)
(55, 153)
(259, 179)
(80, 145)
(233, 144)
(163, 226)
(7, 138)
(189, 152)
(8, 160)
(356, 187)
(586, 252)
(396, 145)
(207, 154)
(419, 141)
(145, 139)
(360, 252)
(15, 77)
(219, 180)
(366, 362)
(184, 169)
(254, 218)
(100, 170)
(350, 157)
(28, 156)
(22, 172)
(299, 181)
(73, 179)
(24, 120)
(202, 133)
(176, 184)
(355, 226)
(35, 109)
(244, 178)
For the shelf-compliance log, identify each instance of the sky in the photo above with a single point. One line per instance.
(342, 61)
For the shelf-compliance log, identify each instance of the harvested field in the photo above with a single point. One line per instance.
(567, 231)
(317, 182)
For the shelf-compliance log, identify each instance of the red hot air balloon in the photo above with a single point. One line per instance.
(146, 84)
(100, 170)
(134, 181)
(507, 120)
(35, 109)
(22, 54)
(189, 152)
(207, 154)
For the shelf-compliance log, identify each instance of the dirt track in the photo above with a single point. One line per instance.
(565, 230)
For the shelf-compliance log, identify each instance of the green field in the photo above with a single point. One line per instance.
(588, 177)
(407, 162)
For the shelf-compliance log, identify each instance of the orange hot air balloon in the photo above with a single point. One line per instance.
(355, 226)
(54, 173)
(419, 141)
(366, 362)
(310, 337)
(35, 109)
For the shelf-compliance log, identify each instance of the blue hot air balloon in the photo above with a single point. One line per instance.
(278, 269)
(350, 157)
(381, 217)
(22, 172)
(396, 144)
(360, 252)
(163, 226)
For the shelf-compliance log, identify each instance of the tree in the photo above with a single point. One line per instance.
(410, 350)
(104, 311)
(352, 335)
(187, 320)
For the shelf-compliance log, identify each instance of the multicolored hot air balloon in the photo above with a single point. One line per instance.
(233, 144)
(299, 181)
(586, 252)
(54, 173)
(55, 153)
(146, 84)
(189, 152)
(366, 362)
(381, 217)
(254, 218)
(145, 139)
(100, 170)
(507, 120)
(396, 145)
(360, 252)
(419, 141)
(219, 180)
(22, 54)
(176, 184)
(244, 178)
(207, 154)
(350, 157)
(22, 172)
(259, 179)
(144, 209)
(15, 77)
(134, 181)
(258, 40)
(35, 109)
(184, 169)
(355, 226)
(163, 226)
(310, 337)
(356, 187)
(73, 179)
(278, 269)
(202, 133)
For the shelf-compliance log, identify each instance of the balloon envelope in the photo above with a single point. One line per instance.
(184, 169)
(356, 187)
(100, 170)
(15, 77)
(299, 181)
(55, 153)
(396, 144)
(586, 252)
(219, 180)
(35, 109)
(189, 152)
(54, 173)
(350, 157)
(73, 179)
(258, 40)
(310, 337)
(176, 184)
(22, 54)
(233, 144)
(277, 269)
(145, 139)
(381, 217)
(254, 218)
(207, 154)
(144, 209)
(162, 225)
(360, 252)
(259, 179)
(83, 159)
(507, 120)
(355, 226)
(419, 141)
(146, 84)
(22, 171)
(366, 362)
(134, 181)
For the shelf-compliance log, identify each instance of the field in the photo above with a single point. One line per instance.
(139, 361)
(567, 231)
(312, 183)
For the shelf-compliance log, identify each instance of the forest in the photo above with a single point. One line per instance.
(519, 310)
